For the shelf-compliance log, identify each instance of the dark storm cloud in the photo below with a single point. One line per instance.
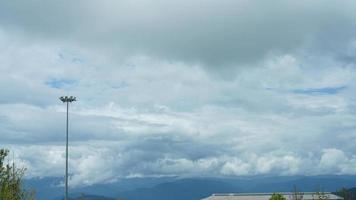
(209, 32)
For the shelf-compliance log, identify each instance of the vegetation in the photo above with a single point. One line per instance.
(347, 194)
(296, 194)
(276, 196)
(11, 187)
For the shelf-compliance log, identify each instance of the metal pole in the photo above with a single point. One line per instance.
(13, 176)
(67, 99)
(66, 194)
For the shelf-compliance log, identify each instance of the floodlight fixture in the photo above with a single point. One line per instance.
(69, 99)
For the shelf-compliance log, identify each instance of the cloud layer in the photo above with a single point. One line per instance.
(213, 33)
(228, 88)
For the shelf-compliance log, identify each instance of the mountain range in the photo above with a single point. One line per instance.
(174, 188)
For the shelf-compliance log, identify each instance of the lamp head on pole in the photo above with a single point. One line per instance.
(69, 99)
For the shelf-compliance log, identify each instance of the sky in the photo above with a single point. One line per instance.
(182, 88)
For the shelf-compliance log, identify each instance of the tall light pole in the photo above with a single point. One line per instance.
(66, 99)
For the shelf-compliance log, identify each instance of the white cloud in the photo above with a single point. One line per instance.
(335, 161)
(236, 167)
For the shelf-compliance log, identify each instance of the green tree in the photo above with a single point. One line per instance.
(345, 193)
(82, 196)
(277, 196)
(11, 187)
(296, 194)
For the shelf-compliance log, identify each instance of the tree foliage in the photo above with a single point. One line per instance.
(346, 194)
(11, 187)
(277, 196)
(296, 194)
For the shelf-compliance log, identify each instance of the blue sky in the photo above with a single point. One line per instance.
(179, 88)
(60, 83)
(326, 90)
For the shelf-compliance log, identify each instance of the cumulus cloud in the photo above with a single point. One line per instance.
(335, 160)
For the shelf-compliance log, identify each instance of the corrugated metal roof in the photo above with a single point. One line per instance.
(266, 196)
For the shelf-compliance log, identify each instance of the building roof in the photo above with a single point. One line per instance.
(266, 196)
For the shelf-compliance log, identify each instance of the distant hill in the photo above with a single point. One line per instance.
(49, 188)
(304, 183)
(187, 189)
(91, 197)
(173, 188)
